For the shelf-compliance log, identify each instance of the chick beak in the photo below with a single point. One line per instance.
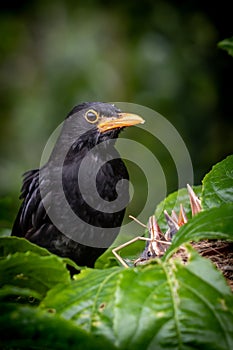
(120, 121)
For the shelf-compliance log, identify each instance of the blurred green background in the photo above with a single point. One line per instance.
(161, 54)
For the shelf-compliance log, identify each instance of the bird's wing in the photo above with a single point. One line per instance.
(32, 213)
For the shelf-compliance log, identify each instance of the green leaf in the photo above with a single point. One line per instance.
(12, 293)
(227, 45)
(23, 327)
(215, 223)
(218, 184)
(30, 270)
(172, 202)
(11, 245)
(158, 306)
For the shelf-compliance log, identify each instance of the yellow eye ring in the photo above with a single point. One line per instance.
(91, 116)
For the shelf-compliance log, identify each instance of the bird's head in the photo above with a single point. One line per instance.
(98, 121)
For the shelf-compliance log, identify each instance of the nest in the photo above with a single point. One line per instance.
(219, 252)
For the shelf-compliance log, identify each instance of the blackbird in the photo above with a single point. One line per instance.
(75, 203)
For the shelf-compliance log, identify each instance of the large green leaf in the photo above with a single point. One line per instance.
(22, 295)
(23, 327)
(11, 245)
(218, 184)
(159, 306)
(30, 270)
(172, 202)
(215, 223)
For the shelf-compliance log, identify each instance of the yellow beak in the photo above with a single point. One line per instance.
(122, 120)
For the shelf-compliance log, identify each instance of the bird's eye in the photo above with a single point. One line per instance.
(148, 254)
(91, 116)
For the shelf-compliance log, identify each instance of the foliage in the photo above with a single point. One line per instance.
(215, 223)
(161, 305)
(217, 185)
(227, 44)
(24, 327)
(157, 306)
